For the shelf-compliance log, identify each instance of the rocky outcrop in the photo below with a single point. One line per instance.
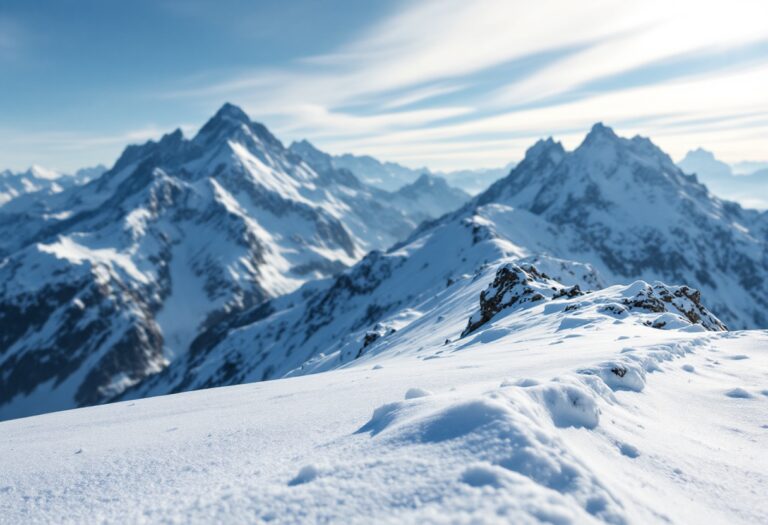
(516, 285)
(682, 300)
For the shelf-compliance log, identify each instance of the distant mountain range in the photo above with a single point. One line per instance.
(744, 182)
(38, 179)
(391, 176)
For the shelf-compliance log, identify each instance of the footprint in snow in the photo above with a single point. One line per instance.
(628, 450)
(738, 357)
(738, 393)
(482, 475)
(305, 475)
(688, 368)
(414, 393)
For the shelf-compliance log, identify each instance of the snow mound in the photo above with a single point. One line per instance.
(620, 374)
(507, 437)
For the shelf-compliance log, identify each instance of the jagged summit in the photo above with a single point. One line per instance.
(427, 180)
(232, 112)
(307, 151)
(232, 123)
(43, 173)
(549, 148)
(600, 131)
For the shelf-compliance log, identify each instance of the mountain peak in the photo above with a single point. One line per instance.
(319, 160)
(306, 146)
(42, 173)
(229, 117)
(700, 154)
(706, 165)
(600, 132)
(544, 145)
(545, 148)
(230, 122)
(232, 112)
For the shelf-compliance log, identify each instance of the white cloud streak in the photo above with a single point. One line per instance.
(405, 89)
(436, 48)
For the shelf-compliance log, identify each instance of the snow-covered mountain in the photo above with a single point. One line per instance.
(619, 205)
(477, 180)
(749, 188)
(105, 284)
(704, 164)
(625, 207)
(33, 180)
(391, 176)
(428, 197)
(88, 174)
(42, 181)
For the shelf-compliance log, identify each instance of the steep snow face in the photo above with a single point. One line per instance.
(545, 414)
(104, 284)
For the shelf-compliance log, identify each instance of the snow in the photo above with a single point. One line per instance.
(69, 249)
(605, 426)
(468, 375)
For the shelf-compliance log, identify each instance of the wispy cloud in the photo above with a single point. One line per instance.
(428, 57)
(457, 84)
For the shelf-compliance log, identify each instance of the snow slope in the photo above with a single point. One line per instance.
(545, 414)
(474, 373)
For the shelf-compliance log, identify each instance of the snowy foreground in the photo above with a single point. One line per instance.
(533, 418)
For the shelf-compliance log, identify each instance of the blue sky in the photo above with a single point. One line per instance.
(447, 84)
